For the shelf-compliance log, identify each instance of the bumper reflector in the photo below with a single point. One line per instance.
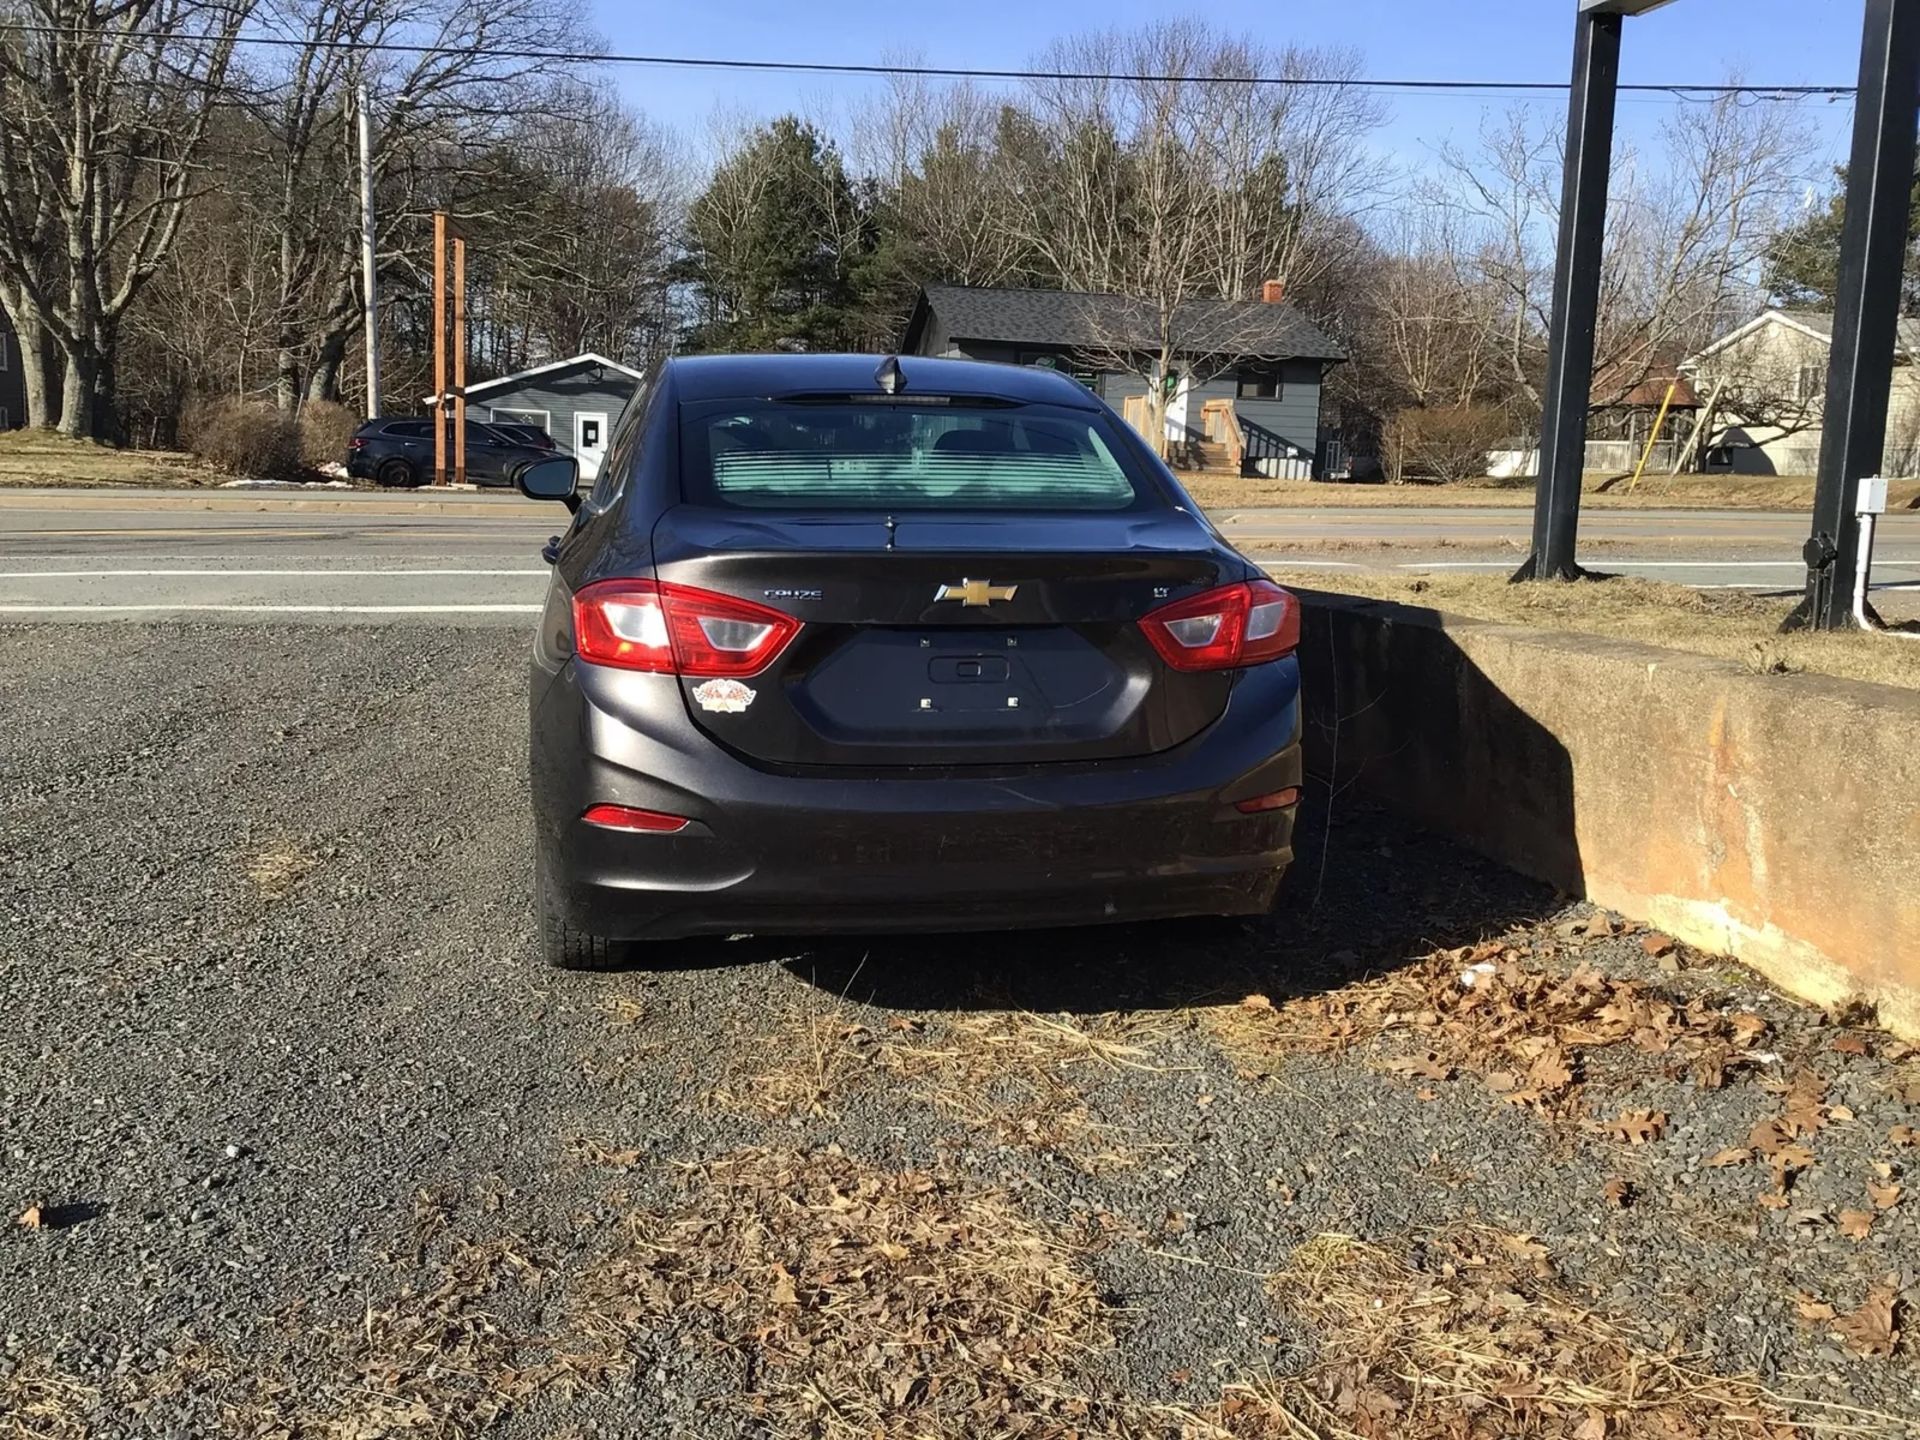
(626, 817)
(1278, 800)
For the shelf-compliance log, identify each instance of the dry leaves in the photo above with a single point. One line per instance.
(31, 1218)
(1479, 1009)
(1619, 1193)
(1871, 1330)
(1636, 1127)
(1885, 1195)
(864, 1301)
(1856, 1224)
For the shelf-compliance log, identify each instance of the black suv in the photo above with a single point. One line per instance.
(399, 453)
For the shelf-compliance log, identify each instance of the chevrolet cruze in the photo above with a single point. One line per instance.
(859, 643)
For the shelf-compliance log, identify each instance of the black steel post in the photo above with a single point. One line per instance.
(1873, 253)
(1576, 299)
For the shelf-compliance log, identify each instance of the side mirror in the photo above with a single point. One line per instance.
(552, 479)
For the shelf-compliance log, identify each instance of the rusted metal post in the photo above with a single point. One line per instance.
(459, 360)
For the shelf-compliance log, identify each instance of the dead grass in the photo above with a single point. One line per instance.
(1603, 491)
(37, 457)
(1009, 1075)
(277, 869)
(860, 1301)
(38, 1403)
(1727, 624)
(1466, 1335)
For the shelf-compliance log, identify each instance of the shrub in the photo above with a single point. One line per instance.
(1445, 444)
(325, 428)
(247, 438)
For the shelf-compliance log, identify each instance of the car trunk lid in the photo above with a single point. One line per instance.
(965, 639)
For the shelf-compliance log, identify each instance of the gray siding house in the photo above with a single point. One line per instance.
(1261, 362)
(13, 381)
(575, 400)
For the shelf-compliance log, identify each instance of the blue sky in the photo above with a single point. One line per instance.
(1766, 41)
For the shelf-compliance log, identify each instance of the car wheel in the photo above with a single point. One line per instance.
(566, 946)
(395, 475)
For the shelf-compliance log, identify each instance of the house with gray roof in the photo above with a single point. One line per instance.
(575, 400)
(1246, 392)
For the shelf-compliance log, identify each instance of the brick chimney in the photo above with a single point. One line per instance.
(1273, 292)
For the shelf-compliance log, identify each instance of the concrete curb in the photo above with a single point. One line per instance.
(1774, 819)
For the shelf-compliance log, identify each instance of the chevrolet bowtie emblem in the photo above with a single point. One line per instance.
(975, 592)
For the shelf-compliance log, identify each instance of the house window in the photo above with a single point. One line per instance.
(1260, 382)
(1811, 380)
(6, 420)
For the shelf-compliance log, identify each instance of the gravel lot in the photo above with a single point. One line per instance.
(309, 1145)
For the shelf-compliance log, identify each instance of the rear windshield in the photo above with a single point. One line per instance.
(902, 455)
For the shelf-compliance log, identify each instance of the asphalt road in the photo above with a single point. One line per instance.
(475, 559)
(298, 1137)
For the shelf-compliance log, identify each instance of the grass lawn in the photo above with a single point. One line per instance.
(1729, 624)
(1603, 491)
(37, 457)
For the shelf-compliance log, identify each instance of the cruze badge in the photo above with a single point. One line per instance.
(975, 592)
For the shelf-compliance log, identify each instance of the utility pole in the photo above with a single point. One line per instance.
(1873, 252)
(1576, 286)
(369, 273)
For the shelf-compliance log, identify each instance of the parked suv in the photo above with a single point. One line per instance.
(399, 453)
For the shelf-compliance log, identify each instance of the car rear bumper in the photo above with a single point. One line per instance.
(1067, 844)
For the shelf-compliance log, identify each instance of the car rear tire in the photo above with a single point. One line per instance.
(395, 475)
(566, 946)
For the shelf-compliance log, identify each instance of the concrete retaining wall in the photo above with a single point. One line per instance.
(1775, 819)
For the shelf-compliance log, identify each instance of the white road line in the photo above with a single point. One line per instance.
(316, 573)
(278, 609)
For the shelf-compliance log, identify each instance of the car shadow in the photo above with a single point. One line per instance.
(1366, 894)
(1396, 712)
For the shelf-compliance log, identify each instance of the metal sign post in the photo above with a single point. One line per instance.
(1576, 286)
(1866, 319)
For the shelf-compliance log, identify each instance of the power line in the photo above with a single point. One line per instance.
(1682, 90)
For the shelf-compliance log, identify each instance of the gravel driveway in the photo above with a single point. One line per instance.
(302, 1141)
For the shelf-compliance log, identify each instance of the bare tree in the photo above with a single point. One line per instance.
(447, 77)
(103, 111)
(1684, 236)
(1178, 187)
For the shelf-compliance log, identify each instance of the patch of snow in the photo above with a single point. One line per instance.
(285, 485)
(1471, 976)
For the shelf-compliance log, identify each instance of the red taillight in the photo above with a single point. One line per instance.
(358, 442)
(1227, 628)
(1278, 800)
(627, 817)
(676, 629)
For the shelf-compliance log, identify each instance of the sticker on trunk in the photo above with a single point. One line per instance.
(723, 697)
